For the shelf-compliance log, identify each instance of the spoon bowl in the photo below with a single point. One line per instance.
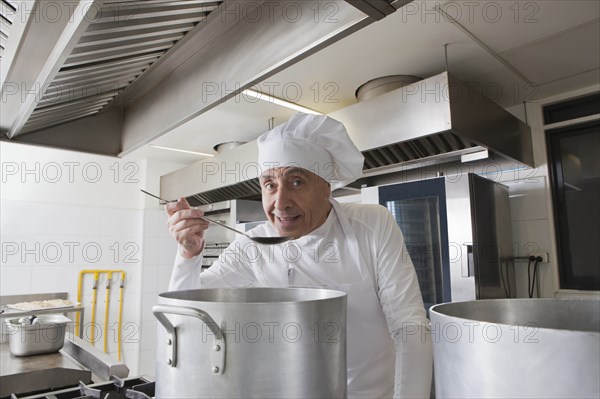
(269, 240)
(258, 240)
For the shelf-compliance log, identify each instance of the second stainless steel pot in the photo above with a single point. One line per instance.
(517, 348)
(251, 342)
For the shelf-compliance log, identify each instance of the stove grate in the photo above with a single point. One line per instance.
(116, 388)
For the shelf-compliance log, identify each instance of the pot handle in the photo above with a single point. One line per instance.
(218, 356)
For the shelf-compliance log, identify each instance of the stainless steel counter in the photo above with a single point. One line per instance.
(39, 372)
(10, 364)
(76, 361)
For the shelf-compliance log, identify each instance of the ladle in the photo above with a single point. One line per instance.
(259, 240)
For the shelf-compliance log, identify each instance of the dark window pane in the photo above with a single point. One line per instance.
(572, 109)
(574, 156)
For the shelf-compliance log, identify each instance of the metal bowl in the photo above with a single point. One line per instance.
(36, 335)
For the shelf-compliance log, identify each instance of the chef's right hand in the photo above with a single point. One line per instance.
(186, 227)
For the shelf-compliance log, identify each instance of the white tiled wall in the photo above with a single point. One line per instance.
(158, 255)
(531, 207)
(531, 231)
(63, 240)
(51, 230)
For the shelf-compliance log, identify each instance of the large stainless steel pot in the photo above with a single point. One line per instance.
(251, 342)
(513, 348)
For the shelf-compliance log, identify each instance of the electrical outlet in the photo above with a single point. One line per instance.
(544, 255)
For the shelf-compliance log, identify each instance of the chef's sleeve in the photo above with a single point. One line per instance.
(232, 269)
(186, 273)
(402, 304)
(414, 366)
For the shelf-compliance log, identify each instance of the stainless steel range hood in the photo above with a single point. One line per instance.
(435, 120)
(432, 121)
(110, 76)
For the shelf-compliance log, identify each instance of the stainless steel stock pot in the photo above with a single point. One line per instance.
(517, 348)
(251, 342)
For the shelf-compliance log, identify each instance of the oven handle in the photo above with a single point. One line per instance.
(467, 262)
(218, 353)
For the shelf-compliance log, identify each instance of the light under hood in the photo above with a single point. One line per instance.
(434, 120)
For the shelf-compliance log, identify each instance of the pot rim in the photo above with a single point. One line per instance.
(445, 311)
(227, 296)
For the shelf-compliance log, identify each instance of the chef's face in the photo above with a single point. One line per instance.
(295, 200)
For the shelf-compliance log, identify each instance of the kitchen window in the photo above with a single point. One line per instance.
(574, 163)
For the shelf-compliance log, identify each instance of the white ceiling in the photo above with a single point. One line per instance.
(553, 44)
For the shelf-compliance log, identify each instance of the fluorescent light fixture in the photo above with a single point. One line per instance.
(180, 150)
(474, 156)
(278, 101)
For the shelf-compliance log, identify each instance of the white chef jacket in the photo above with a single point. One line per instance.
(359, 250)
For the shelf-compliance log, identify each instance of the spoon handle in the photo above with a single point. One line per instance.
(157, 197)
(224, 225)
(202, 217)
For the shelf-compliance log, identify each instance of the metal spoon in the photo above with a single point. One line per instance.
(259, 240)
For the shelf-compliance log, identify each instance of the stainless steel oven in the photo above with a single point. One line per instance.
(457, 231)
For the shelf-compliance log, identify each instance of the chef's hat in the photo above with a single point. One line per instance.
(316, 143)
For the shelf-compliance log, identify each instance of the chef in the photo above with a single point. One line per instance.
(355, 248)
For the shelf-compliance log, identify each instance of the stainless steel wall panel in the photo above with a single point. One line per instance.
(487, 124)
(460, 235)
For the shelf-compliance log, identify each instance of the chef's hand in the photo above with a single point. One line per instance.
(186, 227)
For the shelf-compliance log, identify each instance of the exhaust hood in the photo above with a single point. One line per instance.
(110, 76)
(435, 120)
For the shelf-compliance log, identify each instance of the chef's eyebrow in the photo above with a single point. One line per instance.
(286, 173)
(295, 171)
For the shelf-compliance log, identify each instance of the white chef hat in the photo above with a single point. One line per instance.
(316, 143)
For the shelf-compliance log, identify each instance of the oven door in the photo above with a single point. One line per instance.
(420, 210)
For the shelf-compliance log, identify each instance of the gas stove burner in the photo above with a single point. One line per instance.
(141, 391)
(116, 388)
